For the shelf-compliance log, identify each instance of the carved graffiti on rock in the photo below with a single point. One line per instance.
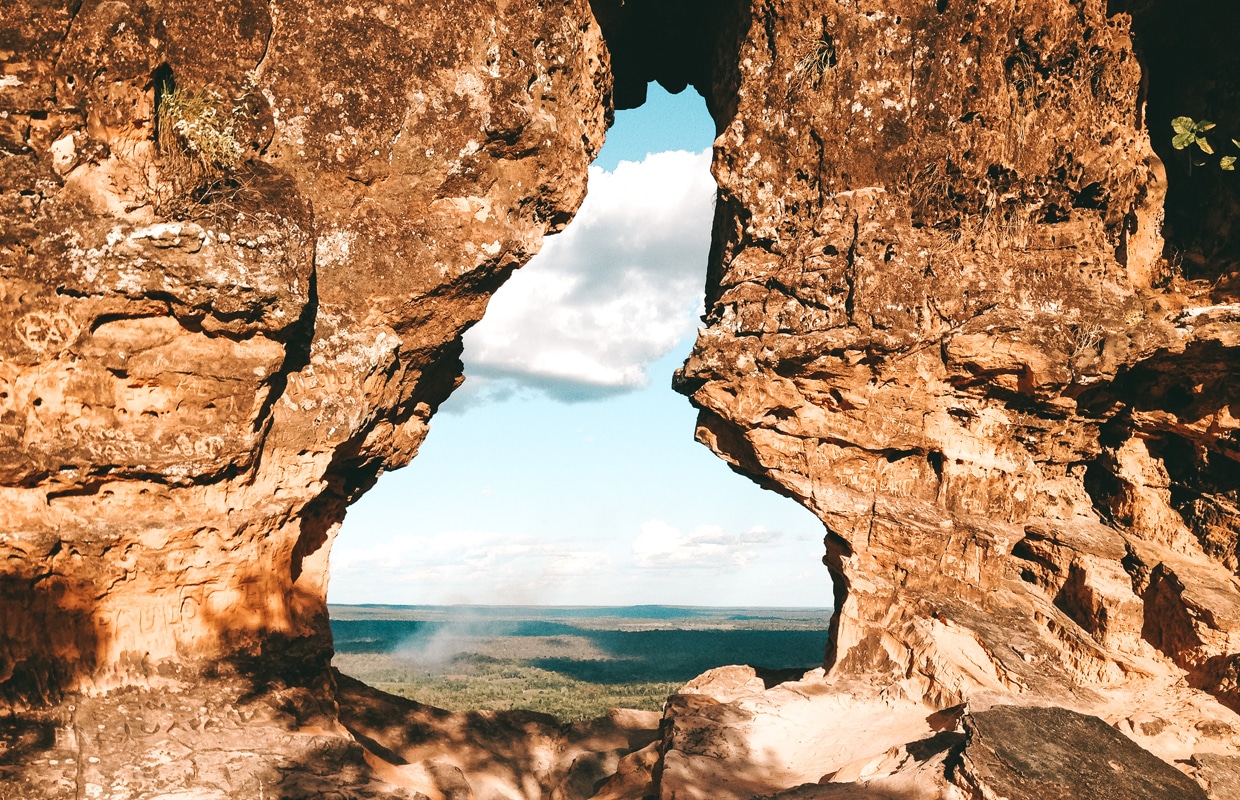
(46, 331)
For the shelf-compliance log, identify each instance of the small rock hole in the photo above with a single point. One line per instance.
(1102, 487)
(1055, 214)
(1177, 398)
(1092, 196)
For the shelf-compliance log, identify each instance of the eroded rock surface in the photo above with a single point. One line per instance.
(198, 375)
(815, 736)
(213, 740)
(201, 366)
(940, 314)
(1044, 753)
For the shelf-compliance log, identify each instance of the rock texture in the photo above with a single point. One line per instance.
(213, 739)
(198, 375)
(939, 316)
(803, 738)
(1051, 753)
(241, 241)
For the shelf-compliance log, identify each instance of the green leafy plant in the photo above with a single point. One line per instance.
(1190, 133)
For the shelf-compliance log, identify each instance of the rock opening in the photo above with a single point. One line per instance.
(593, 491)
(940, 314)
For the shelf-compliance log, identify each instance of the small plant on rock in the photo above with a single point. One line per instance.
(203, 168)
(815, 57)
(197, 136)
(1190, 134)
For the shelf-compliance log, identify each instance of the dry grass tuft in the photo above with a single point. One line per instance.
(815, 57)
(197, 134)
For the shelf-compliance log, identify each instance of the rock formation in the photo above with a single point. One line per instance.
(199, 373)
(241, 241)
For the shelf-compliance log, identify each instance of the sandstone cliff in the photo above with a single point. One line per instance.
(200, 374)
(941, 315)
(957, 341)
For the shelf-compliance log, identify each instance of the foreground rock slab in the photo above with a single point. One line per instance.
(215, 740)
(1054, 754)
(739, 732)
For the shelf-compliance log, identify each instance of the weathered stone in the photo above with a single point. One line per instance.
(940, 315)
(1052, 753)
(1219, 774)
(215, 739)
(197, 378)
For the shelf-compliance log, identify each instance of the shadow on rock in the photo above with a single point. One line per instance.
(494, 753)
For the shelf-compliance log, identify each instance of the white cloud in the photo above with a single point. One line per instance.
(572, 564)
(619, 289)
(706, 547)
(467, 566)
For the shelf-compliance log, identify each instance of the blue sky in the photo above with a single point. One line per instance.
(565, 471)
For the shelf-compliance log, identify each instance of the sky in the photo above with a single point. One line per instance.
(564, 471)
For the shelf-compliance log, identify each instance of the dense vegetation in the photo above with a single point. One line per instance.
(572, 663)
(478, 682)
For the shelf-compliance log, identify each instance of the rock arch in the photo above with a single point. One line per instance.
(939, 316)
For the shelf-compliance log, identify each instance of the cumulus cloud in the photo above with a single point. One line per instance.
(659, 544)
(612, 294)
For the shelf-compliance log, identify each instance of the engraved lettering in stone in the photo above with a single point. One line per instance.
(46, 332)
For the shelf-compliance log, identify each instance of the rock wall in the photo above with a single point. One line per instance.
(939, 316)
(203, 364)
(241, 241)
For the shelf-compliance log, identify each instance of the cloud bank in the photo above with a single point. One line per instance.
(612, 294)
(705, 547)
(651, 562)
(470, 566)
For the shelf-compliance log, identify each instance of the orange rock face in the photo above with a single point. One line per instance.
(956, 341)
(240, 242)
(940, 318)
(198, 374)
